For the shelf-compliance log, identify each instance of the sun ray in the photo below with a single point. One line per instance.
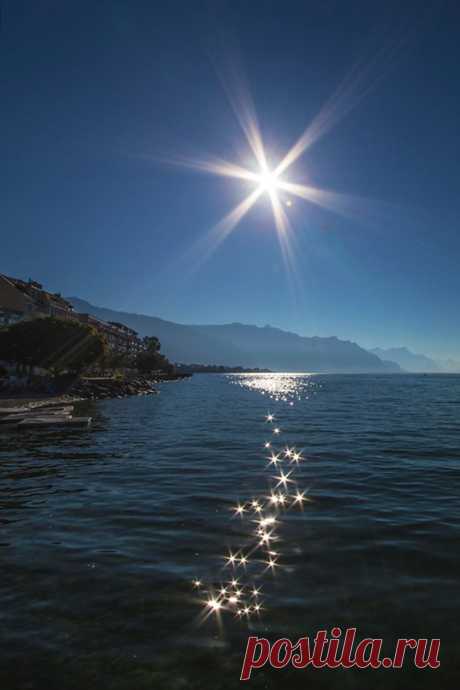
(216, 166)
(239, 96)
(269, 181)
(355, 86)
(336, 202)
(231, 220)
(203, 248)
(286, 242)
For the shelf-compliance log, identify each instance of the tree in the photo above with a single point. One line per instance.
(151, 343)
(151, 359)
(53, 344)
(117, 360)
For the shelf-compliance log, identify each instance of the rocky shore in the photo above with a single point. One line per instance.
(105, 388)
(89, 388)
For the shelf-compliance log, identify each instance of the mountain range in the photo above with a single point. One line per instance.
(412, 362)
(241, 345)
(237, 344)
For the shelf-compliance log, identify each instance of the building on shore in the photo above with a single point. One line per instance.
(21, 300)
(119, 337)
(15, 305)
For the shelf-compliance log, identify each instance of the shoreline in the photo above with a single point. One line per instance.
(37, 401)
(97, 388)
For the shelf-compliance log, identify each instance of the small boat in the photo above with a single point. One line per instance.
(54, 421)
(15, 416)
(11, 410)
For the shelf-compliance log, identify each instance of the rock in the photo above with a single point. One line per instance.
(112, 388)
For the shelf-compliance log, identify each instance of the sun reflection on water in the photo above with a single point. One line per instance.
(282, 387)
(261, 516)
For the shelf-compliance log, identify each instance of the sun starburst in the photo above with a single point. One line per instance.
(266, 181)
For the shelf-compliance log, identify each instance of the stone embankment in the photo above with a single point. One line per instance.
(103, 388)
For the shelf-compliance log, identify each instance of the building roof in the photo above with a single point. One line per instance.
(36, 292)
(12, 298)
(122, 327)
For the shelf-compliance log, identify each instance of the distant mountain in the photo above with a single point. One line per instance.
(179, 343)
(407, 360)
(238, 344)
(282, 350)
(450, 366)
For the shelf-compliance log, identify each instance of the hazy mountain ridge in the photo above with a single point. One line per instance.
(238, 344)
(413, 362)
(278, 349)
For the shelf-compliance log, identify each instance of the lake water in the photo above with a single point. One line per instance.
(102, 532)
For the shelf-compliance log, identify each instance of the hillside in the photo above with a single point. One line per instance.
(407, 360)
(237, 344)
(418, 363)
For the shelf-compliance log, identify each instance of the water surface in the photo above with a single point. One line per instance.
(103, 531)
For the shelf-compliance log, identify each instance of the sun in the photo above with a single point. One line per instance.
(268, 181)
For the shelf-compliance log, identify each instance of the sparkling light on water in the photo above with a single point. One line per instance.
(259, 559)
(281, 387)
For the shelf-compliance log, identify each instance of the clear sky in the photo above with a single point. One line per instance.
(95, 95)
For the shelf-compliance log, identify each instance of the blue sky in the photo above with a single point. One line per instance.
(96, 95)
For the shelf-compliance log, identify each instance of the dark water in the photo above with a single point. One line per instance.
(103, 531)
